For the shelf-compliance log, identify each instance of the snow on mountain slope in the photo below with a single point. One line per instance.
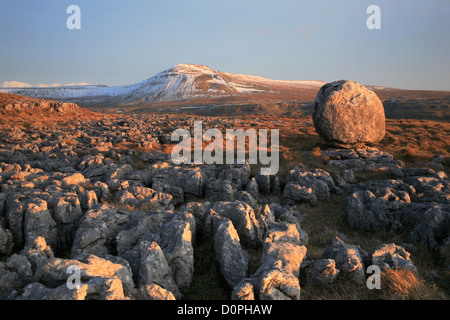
(67, 92)
(181, 82)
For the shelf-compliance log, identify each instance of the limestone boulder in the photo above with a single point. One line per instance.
(347, 113)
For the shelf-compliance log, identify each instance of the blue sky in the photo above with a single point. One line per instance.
(126, 41)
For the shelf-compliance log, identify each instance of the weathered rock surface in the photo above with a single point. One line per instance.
(243, 218)
(73, 179)
(233, 260)
(347, 113)
(155, 292)
(392, 256)
(277, 276)
(244, 290)
(347, 258)
(418, 202)
(141, 196)
(191, 180)
(98, 229)
(433, 229)
(14, 275)
(35, 274)
(154, 269)
(109, 278)
(277, 284)
(322, 272)
(6, 241)
(367, 159)
(176, 239)
(308, 186)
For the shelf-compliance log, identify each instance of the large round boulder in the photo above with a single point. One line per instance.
(347, 114)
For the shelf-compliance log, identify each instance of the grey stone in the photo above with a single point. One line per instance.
(54, 272)
(392, 256)
(155, 292)
(97, 288)
(433, 229)
(265, 217)
(176, 243)
(141, 196)
(348, 259)
(298, 193)
(88, 199)
(282, 255)
(15, 216)
(117, 173)
(37, 252)
(219, 190)
(322, 272)
(14, 275)
(233, 260)
(154, 156)
(253, 188)
(243, 218)
(176, 192)
(347, 113)
(368, 212)
(66, 208)
(275, 283)
(245, 290)
(101, 190)
(73, 179)
(154, 268)
(283, 244)
(191, 179)
(39, 222)
(237, 174)
(311, 186)
(3, 197)
(267, 183)
(6, 241)
(98, 230)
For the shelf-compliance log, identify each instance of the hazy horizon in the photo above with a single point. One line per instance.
(121, 43)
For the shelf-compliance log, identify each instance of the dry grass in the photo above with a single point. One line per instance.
(33, 119)
(416, 140)
(207, 283)
(411, 141)
(395, 285)
(341, 289)
(402, 284)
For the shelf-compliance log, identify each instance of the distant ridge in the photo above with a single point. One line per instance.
(194, 84)
(181, 82)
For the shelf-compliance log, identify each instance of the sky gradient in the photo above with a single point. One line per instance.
(123, 42)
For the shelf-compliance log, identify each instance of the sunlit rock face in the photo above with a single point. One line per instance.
(347, 113)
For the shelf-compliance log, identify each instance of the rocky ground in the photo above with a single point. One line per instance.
(100, 194)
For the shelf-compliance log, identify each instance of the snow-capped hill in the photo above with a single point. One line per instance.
(68, 92)
(181, 82)
(187, 81)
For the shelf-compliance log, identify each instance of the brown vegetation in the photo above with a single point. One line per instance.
(31, 116)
